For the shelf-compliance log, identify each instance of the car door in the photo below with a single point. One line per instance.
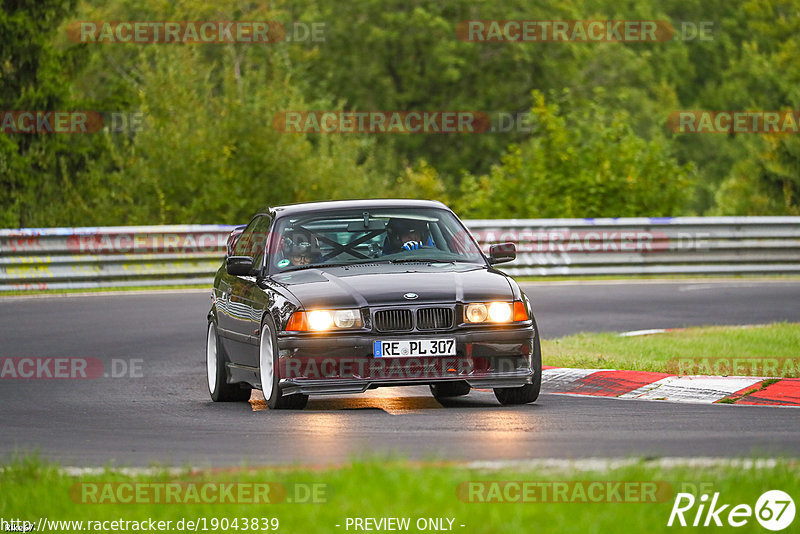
(252, 296)
(234, 316)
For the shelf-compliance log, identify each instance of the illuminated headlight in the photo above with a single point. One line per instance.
(500, 312)
(322, 320)
(495, 312)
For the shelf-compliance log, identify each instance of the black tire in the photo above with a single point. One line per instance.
(217, 374)
(446, 390)
(274, 397)
(529, 392)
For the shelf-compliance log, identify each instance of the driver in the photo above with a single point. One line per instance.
(406, 234)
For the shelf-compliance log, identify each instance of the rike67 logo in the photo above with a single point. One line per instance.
(774, 510)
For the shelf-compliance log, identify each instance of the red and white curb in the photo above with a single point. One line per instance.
(646, 385)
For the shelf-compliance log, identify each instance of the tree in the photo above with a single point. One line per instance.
(581, 161)
(32, 72)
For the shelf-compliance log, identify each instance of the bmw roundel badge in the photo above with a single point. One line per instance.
(410, 296)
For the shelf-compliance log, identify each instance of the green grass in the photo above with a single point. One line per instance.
(30, 489)
(756, 349)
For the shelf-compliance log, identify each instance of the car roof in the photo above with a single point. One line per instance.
(377, 203)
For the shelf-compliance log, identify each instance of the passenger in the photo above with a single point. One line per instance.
(300, 249)
(300, 255)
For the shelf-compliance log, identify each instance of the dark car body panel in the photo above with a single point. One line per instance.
(486, 355)
(384, 285)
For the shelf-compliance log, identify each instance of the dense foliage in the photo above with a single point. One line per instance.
(596, 141)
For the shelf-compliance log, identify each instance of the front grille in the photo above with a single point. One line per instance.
(393, 320)
(434, 318)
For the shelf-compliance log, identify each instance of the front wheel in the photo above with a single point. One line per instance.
(529, 392)
(217, 375)
(270, 372)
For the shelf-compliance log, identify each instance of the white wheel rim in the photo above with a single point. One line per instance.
(265, 362)
(211, 358)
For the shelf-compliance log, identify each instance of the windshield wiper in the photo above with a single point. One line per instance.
(422, 260)
(314, 266)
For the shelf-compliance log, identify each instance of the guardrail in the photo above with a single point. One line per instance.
(59, 258)
(635, 246)
(113, 256)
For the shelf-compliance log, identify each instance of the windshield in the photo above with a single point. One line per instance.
(346, 237)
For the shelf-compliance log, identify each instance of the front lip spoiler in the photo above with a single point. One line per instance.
(350, 385)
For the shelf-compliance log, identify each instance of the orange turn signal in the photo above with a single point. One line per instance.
(520, 311)
(298, 322)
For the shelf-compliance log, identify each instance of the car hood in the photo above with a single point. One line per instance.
(381, 285)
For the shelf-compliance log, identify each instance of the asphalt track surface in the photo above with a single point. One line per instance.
(166, 416)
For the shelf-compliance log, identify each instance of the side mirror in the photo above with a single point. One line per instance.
(502, 253)
(239, 265)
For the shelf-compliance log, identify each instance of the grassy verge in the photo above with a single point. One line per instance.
(376, 489)
(764, 350)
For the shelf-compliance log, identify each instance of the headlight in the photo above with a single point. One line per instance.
(495, 312)
(499, 312)
(323, 320)
(346, 318)
(475, 313)
(320, 319)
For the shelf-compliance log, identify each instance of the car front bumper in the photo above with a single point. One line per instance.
(344, 363)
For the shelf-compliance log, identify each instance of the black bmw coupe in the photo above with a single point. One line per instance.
(344, 296)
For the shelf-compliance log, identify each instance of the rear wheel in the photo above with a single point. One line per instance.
(528, 392)
(446, 390)
(270, 372)
(217, 375)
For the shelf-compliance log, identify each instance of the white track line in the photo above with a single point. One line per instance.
(563, 377)
(606, 464)
(635, 333)
(695, 389)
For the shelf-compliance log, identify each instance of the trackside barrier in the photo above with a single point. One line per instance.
(64, 258)
(60, 258)
(634, 246)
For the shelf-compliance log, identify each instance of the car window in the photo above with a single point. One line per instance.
(259, 242)
(387, 234)
(253, 240)
(243, 245)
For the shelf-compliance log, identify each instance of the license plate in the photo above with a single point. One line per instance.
(414, 348)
